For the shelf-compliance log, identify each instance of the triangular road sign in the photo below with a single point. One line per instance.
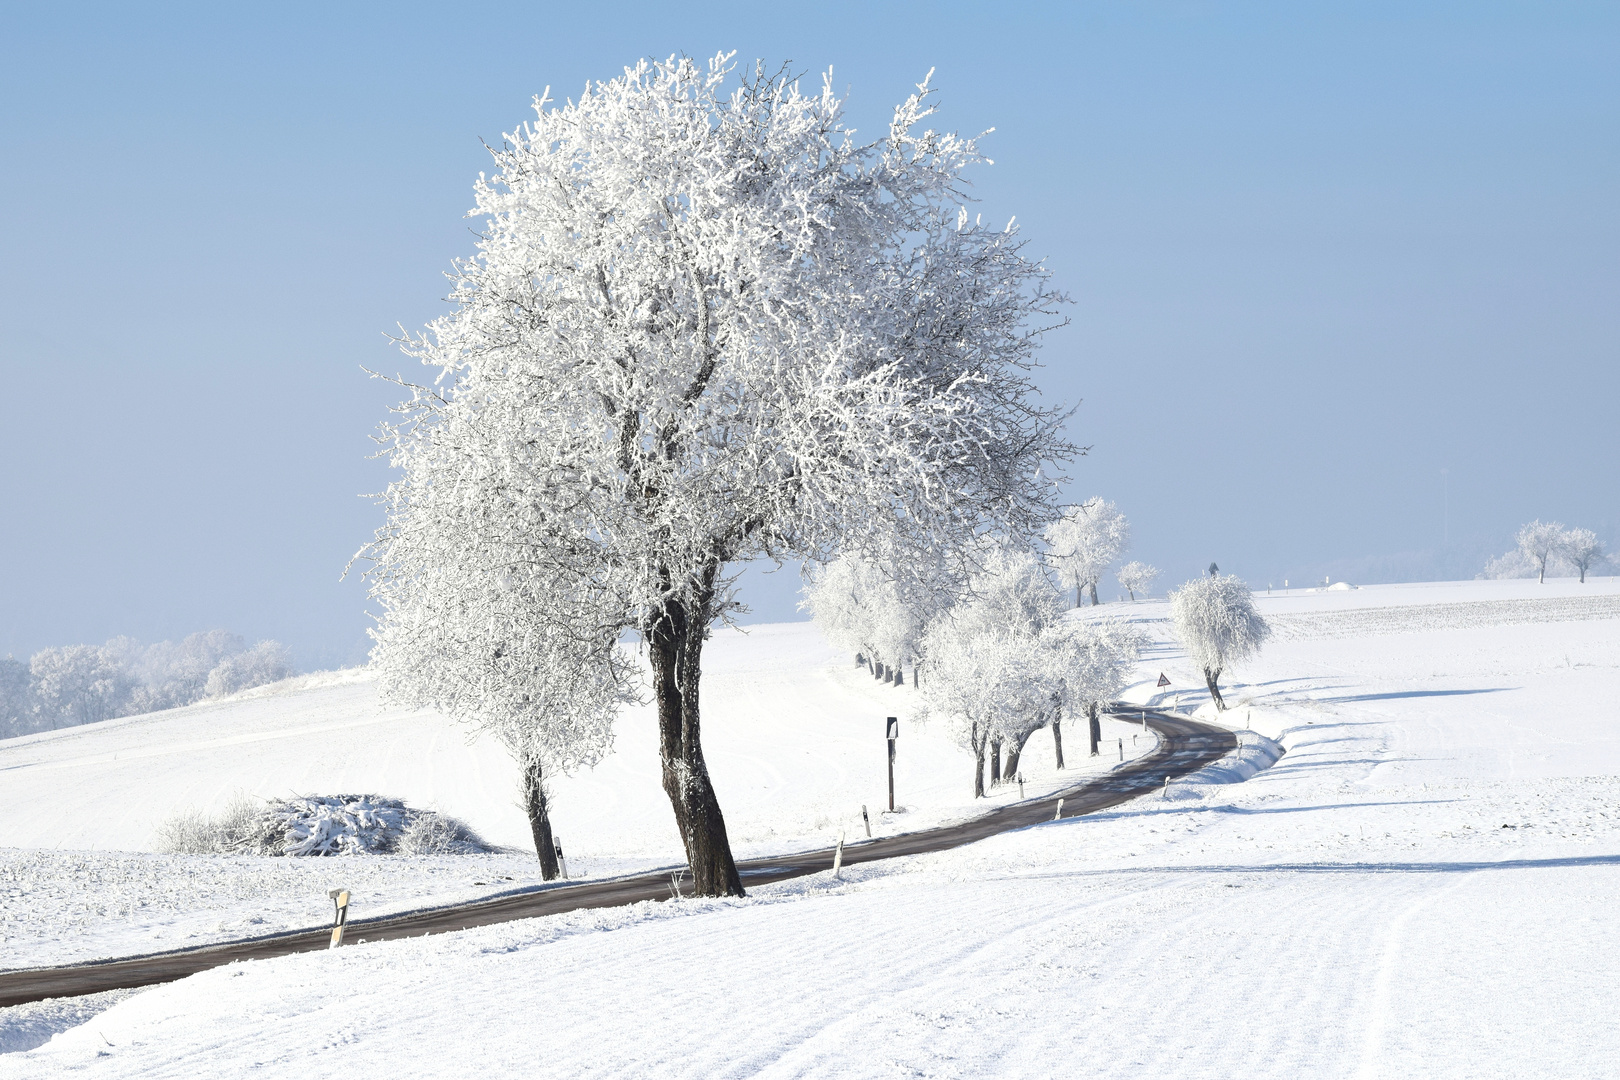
(1162, 680)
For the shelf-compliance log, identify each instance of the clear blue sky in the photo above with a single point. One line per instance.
(1319, 253)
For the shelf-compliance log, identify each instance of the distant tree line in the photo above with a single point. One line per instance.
(1543, 547)
(81, 684)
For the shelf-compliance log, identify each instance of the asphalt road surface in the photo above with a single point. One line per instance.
(1185, 746)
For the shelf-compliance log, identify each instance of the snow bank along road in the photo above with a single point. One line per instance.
(1185, 746)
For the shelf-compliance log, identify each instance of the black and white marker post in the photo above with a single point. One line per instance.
(340, 904)
(894, 733)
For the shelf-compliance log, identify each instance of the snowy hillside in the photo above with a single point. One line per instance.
(793, 734)
(1423, 886)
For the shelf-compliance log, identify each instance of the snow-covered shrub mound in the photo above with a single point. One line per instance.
(320, 825)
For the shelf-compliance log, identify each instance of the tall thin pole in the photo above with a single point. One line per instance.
(892, 730)
(1445, 489)
(891, 776)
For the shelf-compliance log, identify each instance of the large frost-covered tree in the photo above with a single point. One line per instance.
(706, 325)
(1084, 543)
(1216, 621)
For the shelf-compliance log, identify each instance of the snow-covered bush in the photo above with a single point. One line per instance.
(1216, 621)
(1137, 577)
(706, 325)
(265, 663)
(1084, 542)
(318, 825)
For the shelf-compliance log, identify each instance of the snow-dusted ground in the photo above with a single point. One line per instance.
(1425, 885)
(793, 733)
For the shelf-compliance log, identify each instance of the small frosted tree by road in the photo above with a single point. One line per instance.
(1216, 622)
(1541, 542)
(486, 618)
(704, 325)
(1583, 550)
(1137, 577)
(1084, 542)
(977, 681)
(1093, 665)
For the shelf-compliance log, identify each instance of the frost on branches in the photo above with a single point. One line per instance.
(1546, 545)
(704, 325)
(488, 615)
(1137, 577)
(1084, 543)
(1541, 542)
(1216, 622)
(1003, 663)
(877, 611)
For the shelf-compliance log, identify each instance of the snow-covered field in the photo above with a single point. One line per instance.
(1426, 885)
(793, 735)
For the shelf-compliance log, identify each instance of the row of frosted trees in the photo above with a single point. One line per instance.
(991, 652)
(83, 684)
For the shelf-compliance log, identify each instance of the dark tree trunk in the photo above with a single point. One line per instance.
(674, 646)
(978, 762)
(1096, 727)
(1057, 737)
(1093, 594)
(1079, 595)
(995, 762)
(1017, 752)
(1132, 592)
(1210, 677)
(536, 803)
(860, 661)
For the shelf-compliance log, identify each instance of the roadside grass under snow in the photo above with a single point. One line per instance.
(1422, 885)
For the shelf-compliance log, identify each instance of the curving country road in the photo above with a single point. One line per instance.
(1185, 746)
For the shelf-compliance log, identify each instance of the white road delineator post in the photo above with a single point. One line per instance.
(838, 854)
(1059, 815)
(868, 820)
(340, 914)
(562, 860)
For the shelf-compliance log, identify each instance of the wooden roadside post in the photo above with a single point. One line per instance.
(893, 732)
(340, 914)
